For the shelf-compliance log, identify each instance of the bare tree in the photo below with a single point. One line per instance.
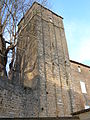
(11, 12)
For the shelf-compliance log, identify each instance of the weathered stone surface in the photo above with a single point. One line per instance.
(42, 65)
(81, 99)
(17, 101)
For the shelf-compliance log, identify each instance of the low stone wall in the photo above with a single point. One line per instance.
(16, 101)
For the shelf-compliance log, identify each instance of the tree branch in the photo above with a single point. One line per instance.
(11, 47)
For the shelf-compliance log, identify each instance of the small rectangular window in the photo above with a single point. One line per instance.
(50, 19)
(79, 69)
(87, 106)
(83, 87)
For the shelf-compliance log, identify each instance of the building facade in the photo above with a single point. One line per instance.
(80, 81)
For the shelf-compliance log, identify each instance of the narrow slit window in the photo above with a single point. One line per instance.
(79, 69)
(83, 87)
(50, 19)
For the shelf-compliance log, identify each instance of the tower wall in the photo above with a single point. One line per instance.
(42, 64)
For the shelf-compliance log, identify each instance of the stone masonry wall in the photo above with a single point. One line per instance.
(21, 102)
(81, 99)
(42, 62)
(52, 68)
(16, 101)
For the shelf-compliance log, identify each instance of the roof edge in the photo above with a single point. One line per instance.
(47, 9)
(79, 63)
(41, 6)
(81, 111)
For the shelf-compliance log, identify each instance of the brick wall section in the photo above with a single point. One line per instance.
(43, 64)
(81, 99)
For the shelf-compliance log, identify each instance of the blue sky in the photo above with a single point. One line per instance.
(76, 14)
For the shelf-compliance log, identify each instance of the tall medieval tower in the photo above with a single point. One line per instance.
(42, 62)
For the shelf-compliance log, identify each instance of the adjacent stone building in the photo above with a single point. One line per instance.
(45, 83)
(80, 81)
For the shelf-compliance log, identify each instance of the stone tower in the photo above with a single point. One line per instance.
(42, 62)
